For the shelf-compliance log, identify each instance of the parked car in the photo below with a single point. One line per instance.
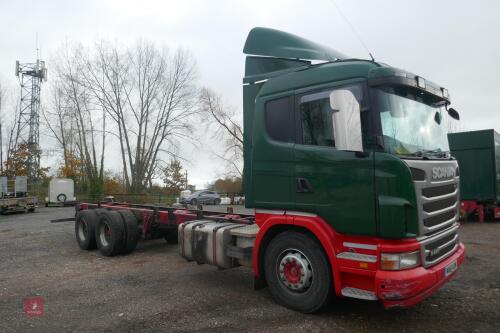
(202, 197)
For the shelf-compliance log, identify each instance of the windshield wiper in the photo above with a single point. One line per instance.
(435, 152)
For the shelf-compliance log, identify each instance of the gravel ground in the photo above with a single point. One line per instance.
(153, 289)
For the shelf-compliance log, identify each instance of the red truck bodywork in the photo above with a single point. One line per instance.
(394, 288)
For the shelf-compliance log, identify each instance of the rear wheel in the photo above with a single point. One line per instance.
(194, 202)
(109, 233)
(297, 272)
(85, 222)
(217, 201)
(131, 231)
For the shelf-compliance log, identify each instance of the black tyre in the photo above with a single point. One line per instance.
(131, 229)
(109, 233)
(172, 236)
(62, 197)
(85, 222)
(217, 201)
(194, 202)
(297, 272)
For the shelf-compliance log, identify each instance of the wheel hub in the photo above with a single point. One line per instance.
(295, 270)
(104, 234)
(82, 230)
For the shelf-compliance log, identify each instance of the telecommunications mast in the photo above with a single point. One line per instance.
(31, 76)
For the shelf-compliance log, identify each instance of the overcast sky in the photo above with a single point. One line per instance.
(453, 43)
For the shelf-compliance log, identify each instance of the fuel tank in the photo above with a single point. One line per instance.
(207, 242)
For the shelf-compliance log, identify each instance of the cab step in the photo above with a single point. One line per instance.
(359, 293)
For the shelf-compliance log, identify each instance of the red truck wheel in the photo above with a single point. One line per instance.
(110, 233)
(297, 272)
(85, 222)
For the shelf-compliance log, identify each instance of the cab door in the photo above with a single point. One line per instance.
(334, 174)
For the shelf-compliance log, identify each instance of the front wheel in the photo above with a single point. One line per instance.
(297, 272)
(194, 202)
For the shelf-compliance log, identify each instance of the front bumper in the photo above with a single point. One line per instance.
(408, 287)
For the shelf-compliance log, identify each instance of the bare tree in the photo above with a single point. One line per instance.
(73, 119)
(141, 95)
(150, 96)
(227, 128)
(8, 130)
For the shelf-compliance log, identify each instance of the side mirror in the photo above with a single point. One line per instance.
(453, 113)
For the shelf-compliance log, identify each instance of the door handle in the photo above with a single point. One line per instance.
(303, 186)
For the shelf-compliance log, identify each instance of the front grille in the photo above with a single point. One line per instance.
(437, 191)
(441, 218)
(439, 247)
(440, 204)
(437, 203)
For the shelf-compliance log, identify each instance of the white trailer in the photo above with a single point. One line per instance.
(61, 192)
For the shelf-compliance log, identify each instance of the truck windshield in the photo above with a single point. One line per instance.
(412, 123)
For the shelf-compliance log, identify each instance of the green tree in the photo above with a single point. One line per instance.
(174, 177)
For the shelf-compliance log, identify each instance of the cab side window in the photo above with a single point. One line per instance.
(278, 119)
(332, 118)
(317, 122)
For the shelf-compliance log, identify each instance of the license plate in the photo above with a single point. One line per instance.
(450, 268)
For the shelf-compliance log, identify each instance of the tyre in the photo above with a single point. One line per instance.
(194, 202)
(131, 229)
(109, 233)
(172, 237)
(85, 222)
(297, 272)
(62, 197)
(217, 201)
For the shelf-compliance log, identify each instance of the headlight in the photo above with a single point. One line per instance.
(399, 261)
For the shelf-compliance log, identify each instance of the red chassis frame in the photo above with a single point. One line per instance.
(169, 217)
(468, 207)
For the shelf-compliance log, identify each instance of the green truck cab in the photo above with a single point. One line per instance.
(359, 148)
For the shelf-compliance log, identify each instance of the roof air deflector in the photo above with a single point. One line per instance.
(280, 44)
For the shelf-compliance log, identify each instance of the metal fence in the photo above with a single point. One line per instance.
(145, 198)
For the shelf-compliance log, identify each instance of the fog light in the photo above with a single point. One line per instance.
(399, 261)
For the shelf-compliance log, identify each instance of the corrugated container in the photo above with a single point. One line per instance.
(478, 156)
